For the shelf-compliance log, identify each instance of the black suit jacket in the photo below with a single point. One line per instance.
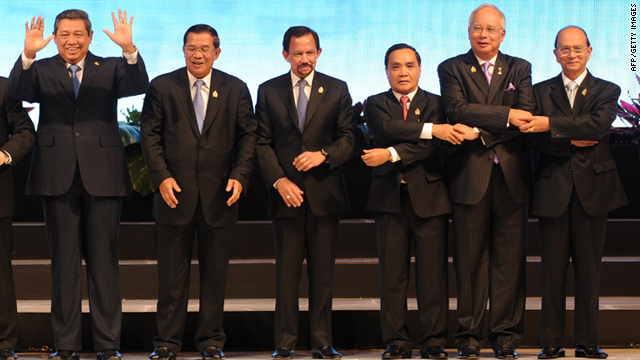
(329, 126)
(14, 121)
(82, 131)
(419, 158)
(591, 170)
(200, 164)
(469, 99)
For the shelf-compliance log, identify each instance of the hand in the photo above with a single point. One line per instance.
(234, 185)
(290, 192)
(122, 34)
(448, 133)
(34, 40)
(515, 116)
(3, 158)
(535, 123)
(466, 131)
(166, 190)
(308, 160)
(583, 143)
(376, 157)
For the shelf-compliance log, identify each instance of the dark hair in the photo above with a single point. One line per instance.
(555, 44)
(201, 28)
(73, 14)
(298, 31)
(400, 47)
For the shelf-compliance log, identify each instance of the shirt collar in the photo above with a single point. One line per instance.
(492, 61)
(410, 95)
(79, 63)
(206, 79)
(578, 80)
(295, 78)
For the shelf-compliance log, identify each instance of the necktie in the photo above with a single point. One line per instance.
(302, 104)
(404, 100)
(487, 73)
(571, 91)
(198, 105)
(76, 83)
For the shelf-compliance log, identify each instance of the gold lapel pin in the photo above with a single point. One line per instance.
(473, 69)
(418, 112)
(97, 64)
(214, 94)
(584, 92)
(499, 71)
(320, 89)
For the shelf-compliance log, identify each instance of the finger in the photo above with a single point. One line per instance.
(109, 34)
(48, 39)
(131, 21)
(26, 26)
(120, 17)
(176, 187)
(113, 17)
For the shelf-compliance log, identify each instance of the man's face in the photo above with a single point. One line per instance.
(403, 71)
(302, 55)
(571, 40)
(200, 53)
(486, 33)
(72, 40)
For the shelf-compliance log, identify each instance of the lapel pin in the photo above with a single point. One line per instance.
(320, 89)
(418, 112)
(473, 69)
(214, 94)
(584, 92)
(500, 71)
(97, 64)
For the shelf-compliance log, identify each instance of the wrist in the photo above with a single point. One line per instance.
(325, 153)
(129, 49)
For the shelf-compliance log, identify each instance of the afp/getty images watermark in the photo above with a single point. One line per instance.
(634, 38)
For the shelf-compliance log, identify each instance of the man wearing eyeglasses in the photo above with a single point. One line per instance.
(198, 139)
(576, 186)
(489, 185)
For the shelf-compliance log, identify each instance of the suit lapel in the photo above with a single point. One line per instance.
(500, 71)
(91, 67)
(583, 93)
(559, 96)
(59, 68)
(475, 72)
(395, 107)
(286, 95)
(217, 90)
(315, 98)
(183, 93)
(417, 106)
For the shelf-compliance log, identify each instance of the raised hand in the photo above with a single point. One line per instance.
(34, 40)
(122, 34)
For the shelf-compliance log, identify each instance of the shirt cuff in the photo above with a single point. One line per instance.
(132, 58)
(427, 131)
(9, 159)
(275, 184)
(26, 62)
(394, 154)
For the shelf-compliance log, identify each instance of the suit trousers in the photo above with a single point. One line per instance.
(314, 238)
(489, 255)
(396, 233)
(80, 225)
(8, 309)
(174, 246)
(578, 236)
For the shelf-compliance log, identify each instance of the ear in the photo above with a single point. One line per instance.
(286, 55)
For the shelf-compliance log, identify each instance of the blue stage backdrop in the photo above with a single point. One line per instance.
(354, 35)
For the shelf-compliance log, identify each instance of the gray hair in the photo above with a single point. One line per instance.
(503, 20)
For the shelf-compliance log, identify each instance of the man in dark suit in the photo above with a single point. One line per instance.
(409, 197)
(79, 169)
(198, 138)
(305, 132)
(489, 185)
(576, 186)
(14, 122)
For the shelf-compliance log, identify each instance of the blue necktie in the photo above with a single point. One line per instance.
(76, 82)
(198, 105)
(302, 104)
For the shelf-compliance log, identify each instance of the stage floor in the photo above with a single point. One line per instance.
(525, 353)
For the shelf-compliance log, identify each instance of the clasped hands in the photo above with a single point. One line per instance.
(527, 123)
(288, 190)
(169, 185)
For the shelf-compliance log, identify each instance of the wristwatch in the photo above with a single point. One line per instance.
(325, 153)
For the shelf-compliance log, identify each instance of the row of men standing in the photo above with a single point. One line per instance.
(303, 133)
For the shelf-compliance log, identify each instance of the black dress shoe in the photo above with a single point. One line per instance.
(506, 352)
(65, 355)
(395, 352)
(469, 352)
(8, 354)
(551, 353)
(590, 352)
(109, 354)
(282, 353)
(325, 352)
(434, 352)
(162, 353)
(212, 352)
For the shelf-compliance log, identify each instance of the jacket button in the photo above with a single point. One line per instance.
(304, 149)
(77, 134)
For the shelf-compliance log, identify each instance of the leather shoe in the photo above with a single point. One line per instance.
(212, 352)
(162, 353)
(506, 352)
(469, 352)
(434, 352)
(395, 352)
(325, 352)
(8, 354)
(65, 355)
(590, 352)
(282, 353)
(551, 352)
(109, 354)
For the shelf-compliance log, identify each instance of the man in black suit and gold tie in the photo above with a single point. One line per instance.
(409, 197)
(16, 139)
(198, 138)
(79, 169)
(305, 134)
(576, 186)
(489, 185)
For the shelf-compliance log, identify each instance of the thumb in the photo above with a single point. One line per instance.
(229, 186)
(176, 187)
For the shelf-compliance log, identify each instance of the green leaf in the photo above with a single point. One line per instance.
(138, 170)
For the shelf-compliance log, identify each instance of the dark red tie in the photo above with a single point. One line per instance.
(404, 100)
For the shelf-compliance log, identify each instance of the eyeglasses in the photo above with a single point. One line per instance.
(477, 29)
(204, 51)
(576, 50)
